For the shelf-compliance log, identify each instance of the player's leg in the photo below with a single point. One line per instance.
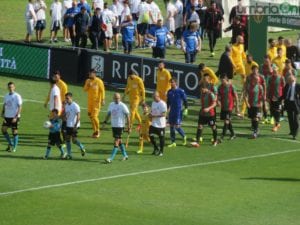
(116, 135)
(152, 139)
(77, 142)
(68, 142)
(181, 132)
(51, 142)
(213, 125)
(141, 144)
(161, 141)
(122, 147)
(5, 126)
(14, 127)
(172, 134)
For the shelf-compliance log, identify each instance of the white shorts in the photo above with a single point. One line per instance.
(109, 32)
(30, 26)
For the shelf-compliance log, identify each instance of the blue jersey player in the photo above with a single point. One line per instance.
(176, 99)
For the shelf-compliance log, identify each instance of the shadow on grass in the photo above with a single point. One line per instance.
(280, 179)
(14, 156)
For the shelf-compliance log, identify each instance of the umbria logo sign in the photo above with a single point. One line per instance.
(7, 63)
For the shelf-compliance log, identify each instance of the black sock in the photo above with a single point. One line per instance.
(255, 126)
(153, 142)
(199, 133)
(215, 134)
(225, 127)
(161, 143)
(230, 128)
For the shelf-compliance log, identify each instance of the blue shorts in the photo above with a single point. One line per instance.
(175, 118)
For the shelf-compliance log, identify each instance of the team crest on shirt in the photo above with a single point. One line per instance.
(97, 63)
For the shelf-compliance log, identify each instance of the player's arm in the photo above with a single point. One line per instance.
(143, 92)
(236, 103)
(128, 122)
(77, 120)
(3, 110)
(127, 89)
(86, 86)
(213, 104)
(102, 92)
(213, 77)
(47, 99)
(199, 44)
(107, 117)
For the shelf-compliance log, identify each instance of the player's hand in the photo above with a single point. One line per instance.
(206, 109)
(103, 102)
(129, 130)
(14, 120)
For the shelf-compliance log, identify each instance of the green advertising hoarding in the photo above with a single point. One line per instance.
(263, 14)
(24, 60)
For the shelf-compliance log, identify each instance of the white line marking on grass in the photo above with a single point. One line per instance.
(288, 140)
(148, 172)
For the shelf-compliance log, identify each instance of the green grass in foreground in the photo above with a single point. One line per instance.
(222, 189)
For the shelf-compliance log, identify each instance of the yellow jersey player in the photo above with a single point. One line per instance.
(136, 91)
(272, 51)
(279, 61)
(203, 69)
(96, 98)
(280, 44)
(163, 78)
(144, 131)
(238, 57)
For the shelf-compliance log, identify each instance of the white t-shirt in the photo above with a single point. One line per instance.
(56, 9)
(40, 10)
(71, 111)
(142, 9)
(114, 9)
(30, 13)
(155, 11)
(157, 109)
(178, 16)
(134, 5)
(55, 92)
(12, 102)
(125, 13)
(66, 5)
(98, 4)
(118, 114)
(108, 17)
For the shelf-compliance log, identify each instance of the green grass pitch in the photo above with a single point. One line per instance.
(240, 182)
(243, 181)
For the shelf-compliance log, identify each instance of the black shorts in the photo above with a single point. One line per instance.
(54, 139)
(56, 25)
(71, 132)
(190, 57)
(209, 120)
(7, 122)
(156, 131)
(40, 25)
(254, 112)
(117, 132)
(116, 30)
(158, 52)
(225, 115)
(275, 106)
(142, 28)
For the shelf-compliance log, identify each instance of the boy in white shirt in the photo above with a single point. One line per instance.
(72, 117)
(30, 18)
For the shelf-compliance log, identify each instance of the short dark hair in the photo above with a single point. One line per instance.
(54, 111)
(224, 76)
(201, 66)
(92, 70)
(173, 79)
(69, 94)
(10, 83)
(56, 72)
(270, 40)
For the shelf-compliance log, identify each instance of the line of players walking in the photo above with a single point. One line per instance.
(169, 104)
